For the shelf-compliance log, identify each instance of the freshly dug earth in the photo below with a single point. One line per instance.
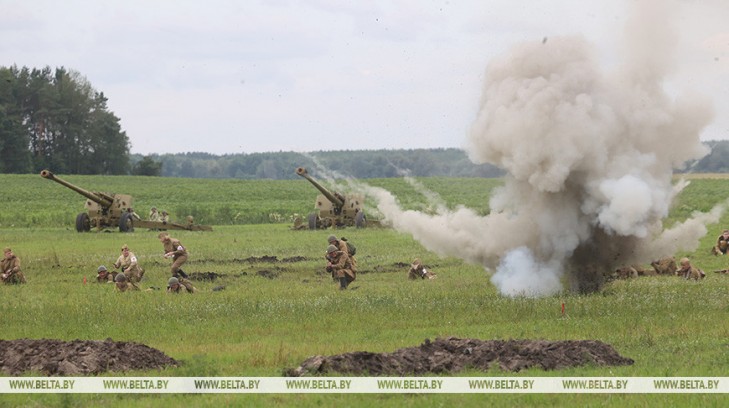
(451, 355)
(78, 357)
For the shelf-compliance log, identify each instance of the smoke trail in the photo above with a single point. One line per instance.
(589, 157)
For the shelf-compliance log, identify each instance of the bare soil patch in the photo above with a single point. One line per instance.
(78, 357)
(205, 276)
(451, 355)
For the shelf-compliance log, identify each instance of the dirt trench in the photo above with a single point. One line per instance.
(451, 355)
(78, 357)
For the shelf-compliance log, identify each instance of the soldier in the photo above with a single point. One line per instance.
(103, 275)
(722, 243)
(344, 246)
(165, 218)
(136, 216)
(153, 214)
(10, 268)
(174, 286)
(417, 270)
(178, 253)
(127, 261)
(341, 266)
(687, 271)
(122, 285)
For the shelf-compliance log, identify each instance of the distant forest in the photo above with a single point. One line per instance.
(357, 163)
(55, 119)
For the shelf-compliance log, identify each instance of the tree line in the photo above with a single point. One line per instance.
(449, 162)
(55, 119)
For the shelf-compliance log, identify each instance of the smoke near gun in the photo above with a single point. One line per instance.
(589, 156)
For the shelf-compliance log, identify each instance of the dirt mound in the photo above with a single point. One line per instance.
(78, 357)
(294, 259)
(267, 274)
(254, 259)
(452, 355)
(205, 276)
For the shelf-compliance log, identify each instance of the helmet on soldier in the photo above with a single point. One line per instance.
(120, 277)
(331, 239)
(331, 248)
(173, 281)
(102, 268)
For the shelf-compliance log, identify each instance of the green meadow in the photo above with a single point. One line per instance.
(260, 326)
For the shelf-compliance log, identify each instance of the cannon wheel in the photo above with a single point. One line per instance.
(82, 222)
(126, 223)
(359, 220)
(312, 221)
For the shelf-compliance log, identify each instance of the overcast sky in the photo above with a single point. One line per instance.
(255, 76)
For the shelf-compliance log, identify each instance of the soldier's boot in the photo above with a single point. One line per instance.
(343, 283)
(182, 273)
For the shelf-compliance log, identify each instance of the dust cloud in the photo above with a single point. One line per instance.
(589, 156)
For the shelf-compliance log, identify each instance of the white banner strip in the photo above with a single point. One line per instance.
(365, 385)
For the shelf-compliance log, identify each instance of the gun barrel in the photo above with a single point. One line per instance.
(96, 197)
(301, 171)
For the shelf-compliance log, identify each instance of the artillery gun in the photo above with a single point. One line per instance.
(108, 210)
(334, 209)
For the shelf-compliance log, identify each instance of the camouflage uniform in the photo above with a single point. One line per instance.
(129, 266)
(179, 256)
(418, 271)
(341, 266)
(10, 268)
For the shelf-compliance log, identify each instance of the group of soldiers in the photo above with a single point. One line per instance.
(154, 215)
(131, 272)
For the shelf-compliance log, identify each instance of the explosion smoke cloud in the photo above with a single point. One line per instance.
(589, 157)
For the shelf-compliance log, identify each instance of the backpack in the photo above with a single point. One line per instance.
(350, 248)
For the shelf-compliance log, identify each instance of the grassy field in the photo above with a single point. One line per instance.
(260, 326)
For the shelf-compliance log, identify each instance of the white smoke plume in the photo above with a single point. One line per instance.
(589, 157)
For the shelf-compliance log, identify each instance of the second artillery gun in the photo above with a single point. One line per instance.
(109, 210)
(334, 209)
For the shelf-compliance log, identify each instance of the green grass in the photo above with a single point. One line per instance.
(259, 326)
(33, 201)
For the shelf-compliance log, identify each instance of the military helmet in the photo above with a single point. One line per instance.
(120, 277)
(331, 238)
(102, 268)
(173, 281)
(331, 248)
